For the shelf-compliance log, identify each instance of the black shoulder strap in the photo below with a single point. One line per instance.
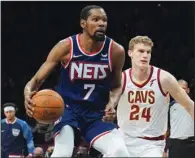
(169, 123)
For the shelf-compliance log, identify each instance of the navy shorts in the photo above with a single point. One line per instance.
(88, 122)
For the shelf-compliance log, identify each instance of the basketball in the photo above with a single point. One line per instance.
(49, 106)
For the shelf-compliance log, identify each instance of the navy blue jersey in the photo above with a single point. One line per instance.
(15, 137)
(86, 78)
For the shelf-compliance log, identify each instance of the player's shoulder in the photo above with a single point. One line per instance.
(116, 47)
(157, 68)
(164, 75)
(21, 122)
(126, 71)
(67, 41)
(68, 38)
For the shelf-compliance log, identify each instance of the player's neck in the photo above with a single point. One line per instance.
(140, 75)
(12, 120)
(88, 44)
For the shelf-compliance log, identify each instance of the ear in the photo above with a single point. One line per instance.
(130, 53)
(188, 90)
(83, 23)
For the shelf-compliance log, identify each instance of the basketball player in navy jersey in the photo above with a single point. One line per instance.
(90, 85)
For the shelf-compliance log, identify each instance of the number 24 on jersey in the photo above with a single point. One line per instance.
(137, 114)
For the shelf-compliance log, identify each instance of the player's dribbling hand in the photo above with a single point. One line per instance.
(110, 114)
(29, 103)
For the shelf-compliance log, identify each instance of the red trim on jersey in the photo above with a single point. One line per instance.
(97, 137)
(89, 53)
(124, 82)
(70, 54)
(158, 80)
(162, 137)
(143, 84)
(110, 54)
(166, 147)
(55, 135)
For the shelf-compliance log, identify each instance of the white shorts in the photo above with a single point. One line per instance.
(139, 147)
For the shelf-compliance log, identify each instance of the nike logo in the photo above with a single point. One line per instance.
(104, 55)
(77, 56)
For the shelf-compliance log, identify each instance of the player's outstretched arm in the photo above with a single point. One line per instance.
(118, 59)
(59, 53)
(170, 85)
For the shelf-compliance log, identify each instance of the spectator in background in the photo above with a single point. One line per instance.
(43, 135)
(15, 134)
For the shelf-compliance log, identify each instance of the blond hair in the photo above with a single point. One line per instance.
(140, 39)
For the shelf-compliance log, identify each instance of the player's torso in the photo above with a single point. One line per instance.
(86, 77)
(143, 109)
(12, 135)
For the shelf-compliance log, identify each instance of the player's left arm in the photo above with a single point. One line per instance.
(118, 59)
(27, 134)
(170, 85)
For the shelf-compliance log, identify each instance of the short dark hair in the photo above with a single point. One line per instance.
(9, 104)
(86, 11)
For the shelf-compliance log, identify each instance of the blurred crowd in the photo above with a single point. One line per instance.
(31, 29)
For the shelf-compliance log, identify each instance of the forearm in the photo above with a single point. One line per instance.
(32, 85)
(30, 146)
(115, 95)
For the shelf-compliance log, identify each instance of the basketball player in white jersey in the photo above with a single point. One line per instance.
(143, 107)
(181, 139)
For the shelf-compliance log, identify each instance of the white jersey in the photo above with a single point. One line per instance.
(182, 125)
(143, 109)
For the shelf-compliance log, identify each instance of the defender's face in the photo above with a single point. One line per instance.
(10, 115)
(140, 55)
(96, 24)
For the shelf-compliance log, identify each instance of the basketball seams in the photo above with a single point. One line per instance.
(50, 101)
(47, 95)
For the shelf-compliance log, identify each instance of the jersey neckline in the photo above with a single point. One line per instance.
(143, 84)
(89, 53)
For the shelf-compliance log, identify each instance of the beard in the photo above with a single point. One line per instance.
(99, 36)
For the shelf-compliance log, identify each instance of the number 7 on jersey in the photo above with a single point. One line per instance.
(91, 88)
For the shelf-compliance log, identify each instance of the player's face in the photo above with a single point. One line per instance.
(185, 87)
(10, 115)
(140, 55)
(96, 24)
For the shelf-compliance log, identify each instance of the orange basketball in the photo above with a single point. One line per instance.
(49, 106)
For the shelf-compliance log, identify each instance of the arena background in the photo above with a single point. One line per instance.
(31, 29)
